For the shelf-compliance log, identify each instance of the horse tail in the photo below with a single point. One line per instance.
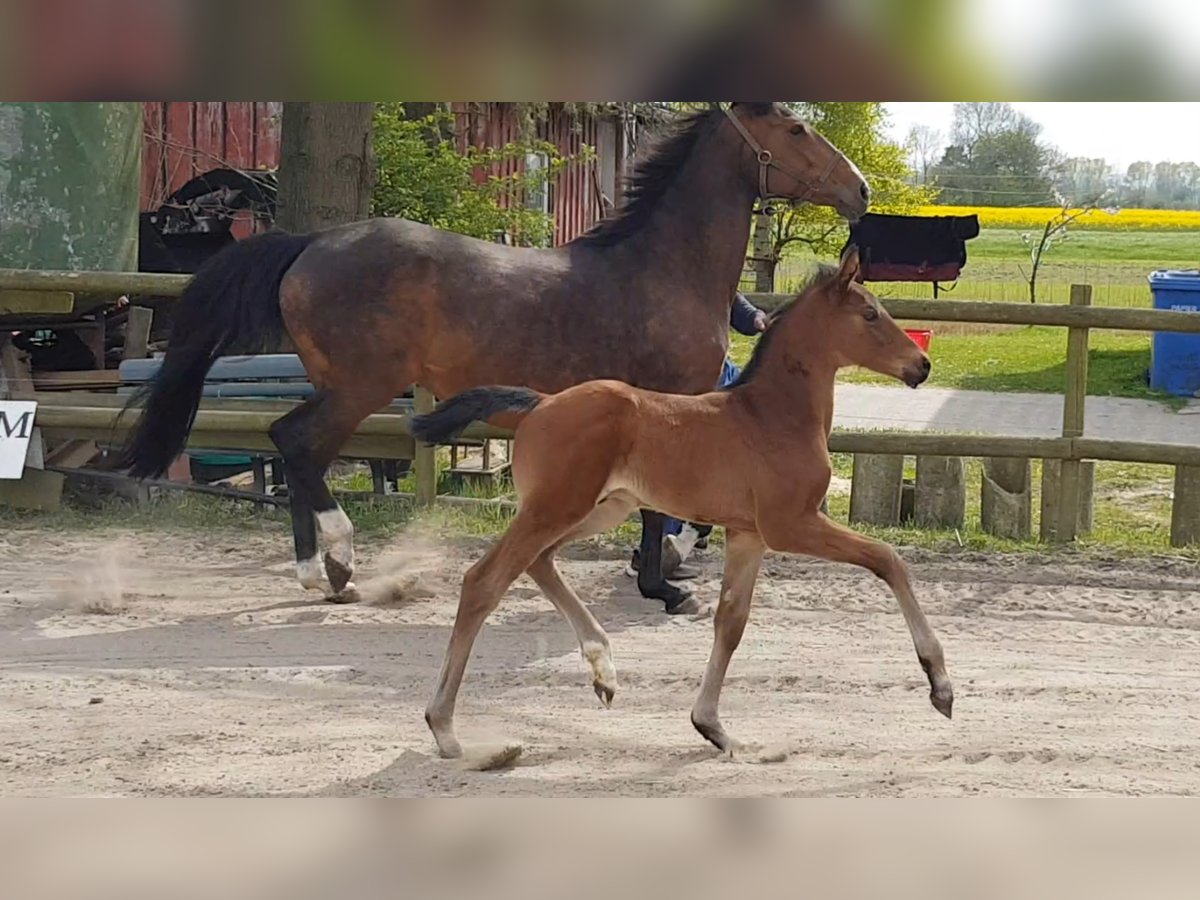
(230, 305)
(451, 417)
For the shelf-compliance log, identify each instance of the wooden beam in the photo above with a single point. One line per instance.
(68, 381)
(115, 283)
(1119, 318)
(36, 303)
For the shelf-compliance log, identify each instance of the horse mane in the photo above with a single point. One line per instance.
(651, 178)
(822, 276)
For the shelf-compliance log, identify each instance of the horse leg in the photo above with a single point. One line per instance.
(650, 581)
(593, 641)
(309, 438)
(483, 586)
(743, 554)
(816, 535)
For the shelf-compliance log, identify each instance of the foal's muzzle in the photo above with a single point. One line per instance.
(917, 374)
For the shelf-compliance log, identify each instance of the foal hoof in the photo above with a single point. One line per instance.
(605, 693)
(338, 574)
(942, 700)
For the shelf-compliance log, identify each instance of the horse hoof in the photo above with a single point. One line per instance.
(348, 594)
(338, 574)
(690, 605)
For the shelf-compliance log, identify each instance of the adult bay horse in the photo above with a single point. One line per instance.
(757, 463)
(376, 306)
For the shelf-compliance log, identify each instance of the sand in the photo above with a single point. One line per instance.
(191, 664)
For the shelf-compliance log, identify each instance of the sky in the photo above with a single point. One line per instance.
(1119, 132)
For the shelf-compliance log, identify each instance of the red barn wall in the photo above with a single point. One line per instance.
(185, 139)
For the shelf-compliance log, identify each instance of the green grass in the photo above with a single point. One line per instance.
(995, 358)
(1132, 511)
(1030, 359)
(1115, 263)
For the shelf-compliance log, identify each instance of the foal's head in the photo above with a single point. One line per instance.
(852, 325)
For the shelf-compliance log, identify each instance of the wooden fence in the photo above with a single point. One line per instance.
(232, 424)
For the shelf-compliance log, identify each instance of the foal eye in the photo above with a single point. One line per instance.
(871, 314)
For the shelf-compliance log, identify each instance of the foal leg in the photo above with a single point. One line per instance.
(816, 535)
(483, 586)
(593, 640)
(743, 554)
(651, 583)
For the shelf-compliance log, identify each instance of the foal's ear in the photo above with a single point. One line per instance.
(848, 269)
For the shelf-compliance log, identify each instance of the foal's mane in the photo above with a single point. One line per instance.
(817, 280)
(651, 177)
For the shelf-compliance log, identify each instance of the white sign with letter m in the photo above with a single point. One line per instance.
(16, 428)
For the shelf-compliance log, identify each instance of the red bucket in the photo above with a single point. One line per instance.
(920, 337)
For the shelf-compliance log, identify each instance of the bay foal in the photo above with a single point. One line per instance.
(585, 458)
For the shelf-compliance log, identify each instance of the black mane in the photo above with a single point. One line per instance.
(823, 274)
(650, 179)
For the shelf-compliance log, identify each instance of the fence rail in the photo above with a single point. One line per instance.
(231, 424)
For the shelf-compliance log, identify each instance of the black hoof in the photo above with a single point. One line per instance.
(714, 736)
(344, 596)
(338, 575)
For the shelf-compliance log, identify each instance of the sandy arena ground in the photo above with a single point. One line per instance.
(173, 664)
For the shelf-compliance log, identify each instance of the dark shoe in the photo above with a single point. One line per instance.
(673, 568)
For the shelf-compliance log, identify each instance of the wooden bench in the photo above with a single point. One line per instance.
(281, 376)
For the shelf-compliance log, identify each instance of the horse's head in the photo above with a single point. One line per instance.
(857, 330)
(789, 160)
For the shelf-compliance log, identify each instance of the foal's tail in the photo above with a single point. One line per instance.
(230, 305)
(451, 417)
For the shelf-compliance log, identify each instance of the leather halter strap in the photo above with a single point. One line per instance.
(766, 162)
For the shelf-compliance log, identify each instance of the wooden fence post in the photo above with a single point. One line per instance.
(1074, 403)
(425, 463)
(1052, 495)
(941, 493)
(138, 321)
(1004, 499)
(1185, 508)
(875, 487)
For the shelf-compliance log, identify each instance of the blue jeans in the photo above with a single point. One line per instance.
(729, 374)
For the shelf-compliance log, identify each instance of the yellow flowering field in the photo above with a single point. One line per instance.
(1094, 220)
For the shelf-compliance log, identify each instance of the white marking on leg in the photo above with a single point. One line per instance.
(604, 673)
(338, 534)
(310, 573)
(685, 541)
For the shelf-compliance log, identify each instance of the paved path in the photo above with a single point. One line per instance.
(863, 406)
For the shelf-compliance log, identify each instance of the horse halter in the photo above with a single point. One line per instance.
(766, 162)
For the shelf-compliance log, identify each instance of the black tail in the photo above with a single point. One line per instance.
(452, 416)
(230, 305)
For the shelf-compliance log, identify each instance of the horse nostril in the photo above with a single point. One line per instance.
(865, 192)
(926, 365)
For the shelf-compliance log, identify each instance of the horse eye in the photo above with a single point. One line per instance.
(799, 129)
(871, 314)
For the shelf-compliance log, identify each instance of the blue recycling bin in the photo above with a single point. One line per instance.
(1175, 357)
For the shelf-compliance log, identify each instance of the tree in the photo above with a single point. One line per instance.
(924, 145)
(858, 129)
(996, 158)
(423, 177)
(1054, 232)
(326, 168)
